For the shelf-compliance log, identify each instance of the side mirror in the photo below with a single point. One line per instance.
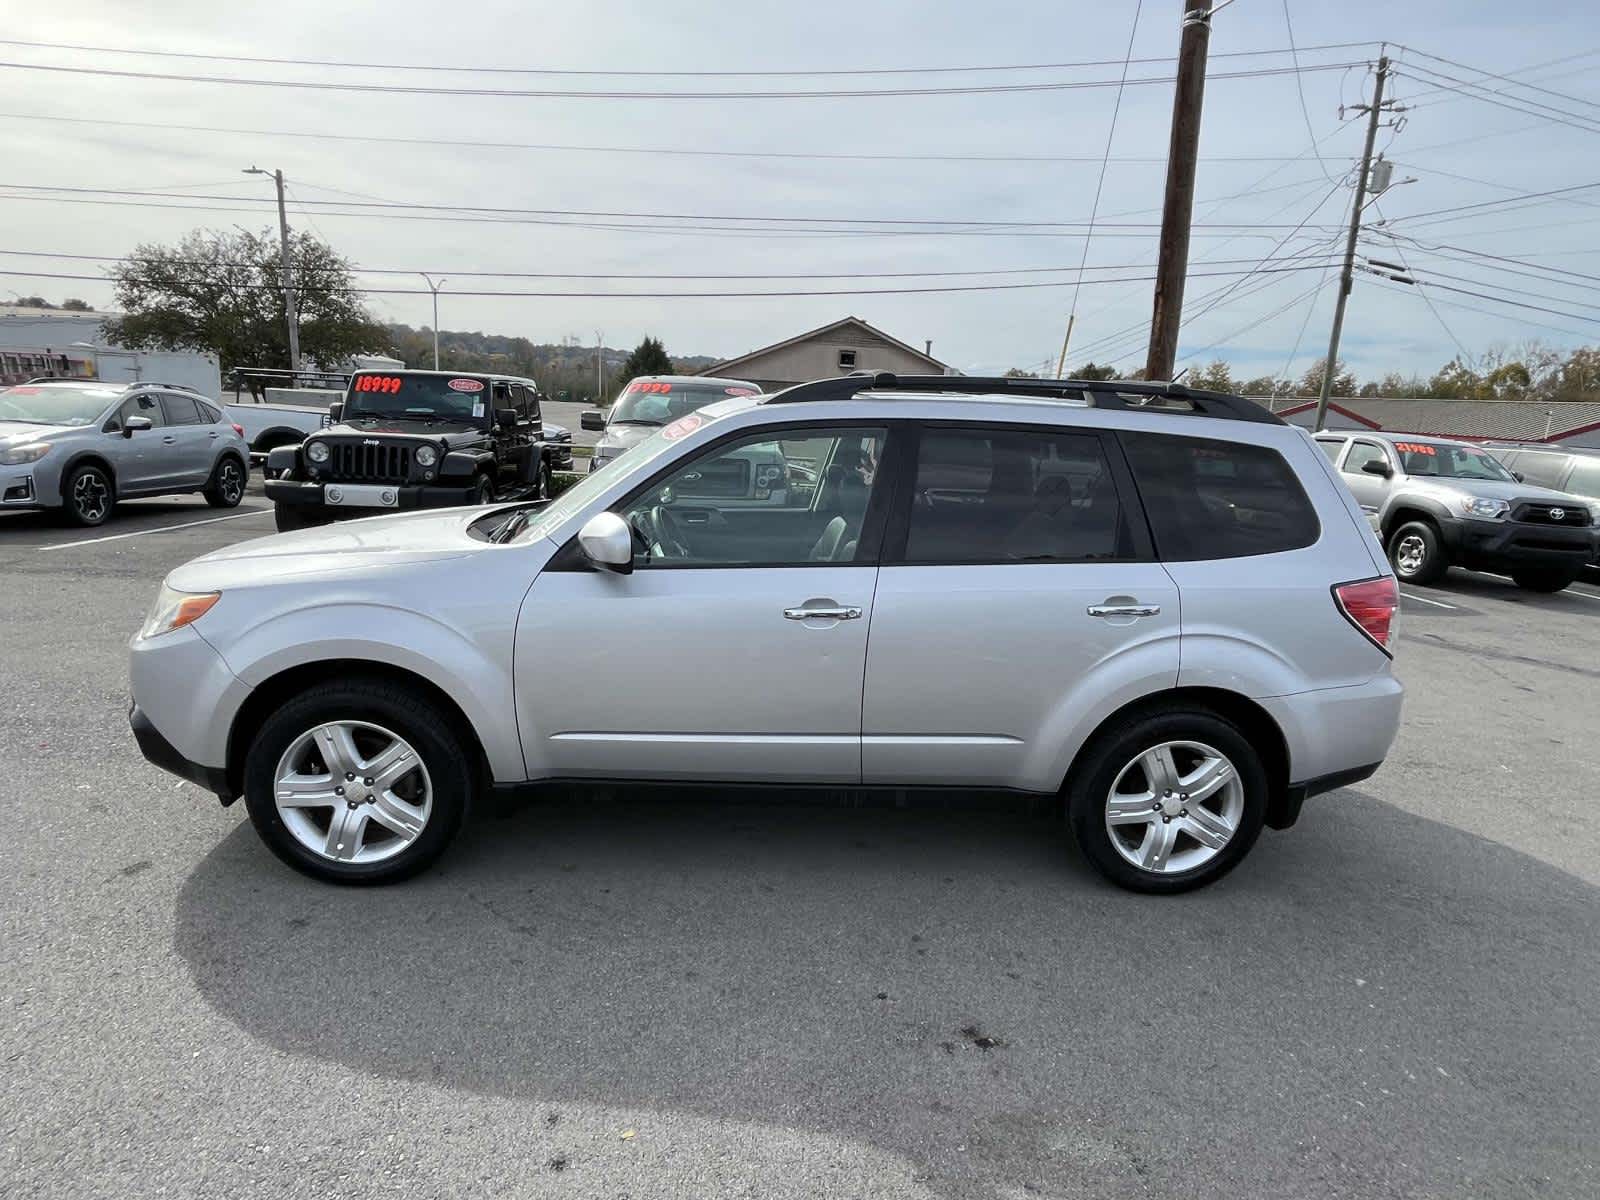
(607, 542)
(135, 425)
(1378, 467)
(592, 419)
(336, 412)
(506, 418)
(1519, 477)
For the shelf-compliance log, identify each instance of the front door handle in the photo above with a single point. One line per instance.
(169, 439)
(1124, 610)
(830, 612)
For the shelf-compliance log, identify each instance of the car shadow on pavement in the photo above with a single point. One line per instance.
(959, 988)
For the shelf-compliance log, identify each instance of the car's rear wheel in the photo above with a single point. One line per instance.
(1169, 802)
(226, 486)
(358, 782)
(1547, 580)
(88, 496)
(547, 483)
(483, 491)
(290, 517)
(1417, 554)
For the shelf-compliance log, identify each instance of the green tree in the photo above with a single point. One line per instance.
(1344, 381)
(223, 293)
(1215, 376)
(1578, 378)
(73, 304)
(649, 357)
(1092, 373)
(33, 302)
(1264, 385)
(1456, 380)
(1019, 373)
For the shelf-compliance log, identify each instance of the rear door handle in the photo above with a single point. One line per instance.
(837, 612)
(1124, 610)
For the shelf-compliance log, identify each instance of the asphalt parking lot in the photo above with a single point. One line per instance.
(636, 996)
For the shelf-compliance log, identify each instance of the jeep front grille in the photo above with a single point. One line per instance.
(1538, 512)
(357, 463)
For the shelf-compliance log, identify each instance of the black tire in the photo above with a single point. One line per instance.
(1113, 749)
(1432, 562)
(444, 754)
(290, 517)
(483, 491)
(1544, 580)
(88, 496)
(547, 483)
(225, 488)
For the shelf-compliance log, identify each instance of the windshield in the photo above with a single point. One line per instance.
(55, 405)
(1444, 461)
(446, 397)
(655, 402)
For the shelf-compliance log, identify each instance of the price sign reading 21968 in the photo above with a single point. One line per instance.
(376, 383)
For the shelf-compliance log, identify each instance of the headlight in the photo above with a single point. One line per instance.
(1477, 506)
(174, 609)
(317, 452)
(427, 456)
(18, 455)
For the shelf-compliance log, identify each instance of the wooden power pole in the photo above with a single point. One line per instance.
(1331, 364)
(1172, 265)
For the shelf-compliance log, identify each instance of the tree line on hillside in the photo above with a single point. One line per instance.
(1532, 371)
(71, 304)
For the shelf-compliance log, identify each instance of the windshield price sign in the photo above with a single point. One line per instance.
(377, 383)
(466, 385)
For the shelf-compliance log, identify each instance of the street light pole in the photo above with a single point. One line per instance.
(289, 314)
(434, 288)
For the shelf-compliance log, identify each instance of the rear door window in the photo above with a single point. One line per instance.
(180, 410)
(1541, 470)
(1003, 495)
(1585, 477)
(1212, 499)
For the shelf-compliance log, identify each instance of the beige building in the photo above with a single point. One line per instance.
(826, 353)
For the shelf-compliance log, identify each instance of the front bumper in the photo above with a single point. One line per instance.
(294, 493)
(17, 489)
(1507, 545)
(184, 702)
(165, 755)
(560, 456)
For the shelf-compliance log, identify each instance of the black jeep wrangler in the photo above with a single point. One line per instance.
(414, 439)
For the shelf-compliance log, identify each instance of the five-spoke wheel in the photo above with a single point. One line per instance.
(353, 791)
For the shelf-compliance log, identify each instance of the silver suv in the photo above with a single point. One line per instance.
(650, 402)
(1435, 503)
(1156, 607)
(79, 447)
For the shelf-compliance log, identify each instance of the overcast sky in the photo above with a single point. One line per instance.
(1501, 153)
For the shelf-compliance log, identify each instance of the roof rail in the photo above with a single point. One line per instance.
(1109, 393)
(171, 387)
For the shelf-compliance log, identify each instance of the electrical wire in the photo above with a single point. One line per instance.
(1300, 88)
(1516, 82)
(1528, 108)
(1423, 292)
(330, 85)
(1111, 133)
(698, 74)
(1517, 200)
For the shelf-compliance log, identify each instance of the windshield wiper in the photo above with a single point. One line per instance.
(515, 524)
(634, 421)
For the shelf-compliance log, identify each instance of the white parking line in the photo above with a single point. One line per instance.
(1585, 595)
(1425, 600)
(117, 537)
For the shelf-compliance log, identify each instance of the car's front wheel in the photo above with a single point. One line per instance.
(363, 781)
(1543, 580)
(547, 483)
(483, 491)
(1417, 554)
(1169, 802)
(88, 496)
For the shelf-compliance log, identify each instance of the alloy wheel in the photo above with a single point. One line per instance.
(352, 792)
(1409, 554)
(1175, 807)
(91, 497)
(230, 482)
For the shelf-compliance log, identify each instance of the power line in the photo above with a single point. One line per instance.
(1517, 82)
(568, 94)
(1498, 204)
(1422, 289)
(699, 74)
(669, 151)
(1528, 108)
(1436, 247)
(1261, 320)
(1499, 316)
(458, 273)
(997, 287)
(1300, 88)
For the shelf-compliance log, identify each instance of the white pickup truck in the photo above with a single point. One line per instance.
(282, 417)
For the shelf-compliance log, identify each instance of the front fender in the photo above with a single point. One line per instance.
(283, 460)
(463, 464)
(473, 674)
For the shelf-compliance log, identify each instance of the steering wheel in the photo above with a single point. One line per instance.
(668, 533)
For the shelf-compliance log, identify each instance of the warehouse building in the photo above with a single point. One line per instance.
(57, 343)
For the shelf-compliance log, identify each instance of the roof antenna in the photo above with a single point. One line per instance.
(1179, 375)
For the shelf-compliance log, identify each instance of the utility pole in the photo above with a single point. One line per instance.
(1172, 261)
(1331, 364)
(434, 288)
(289, 314)
(599, 370)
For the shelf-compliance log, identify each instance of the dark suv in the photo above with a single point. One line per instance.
(415, 439)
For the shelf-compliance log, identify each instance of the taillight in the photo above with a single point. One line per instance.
(1370, 605)
(237, 428)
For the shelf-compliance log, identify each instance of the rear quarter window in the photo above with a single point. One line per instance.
(1208, 498)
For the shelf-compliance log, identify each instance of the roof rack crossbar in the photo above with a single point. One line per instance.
(1108, 394)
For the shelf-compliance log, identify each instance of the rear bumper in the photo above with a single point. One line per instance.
(1335, 737)
(296, 494)
(1496, 545)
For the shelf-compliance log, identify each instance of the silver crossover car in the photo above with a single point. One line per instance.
(77, 447)
(1156, 607)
